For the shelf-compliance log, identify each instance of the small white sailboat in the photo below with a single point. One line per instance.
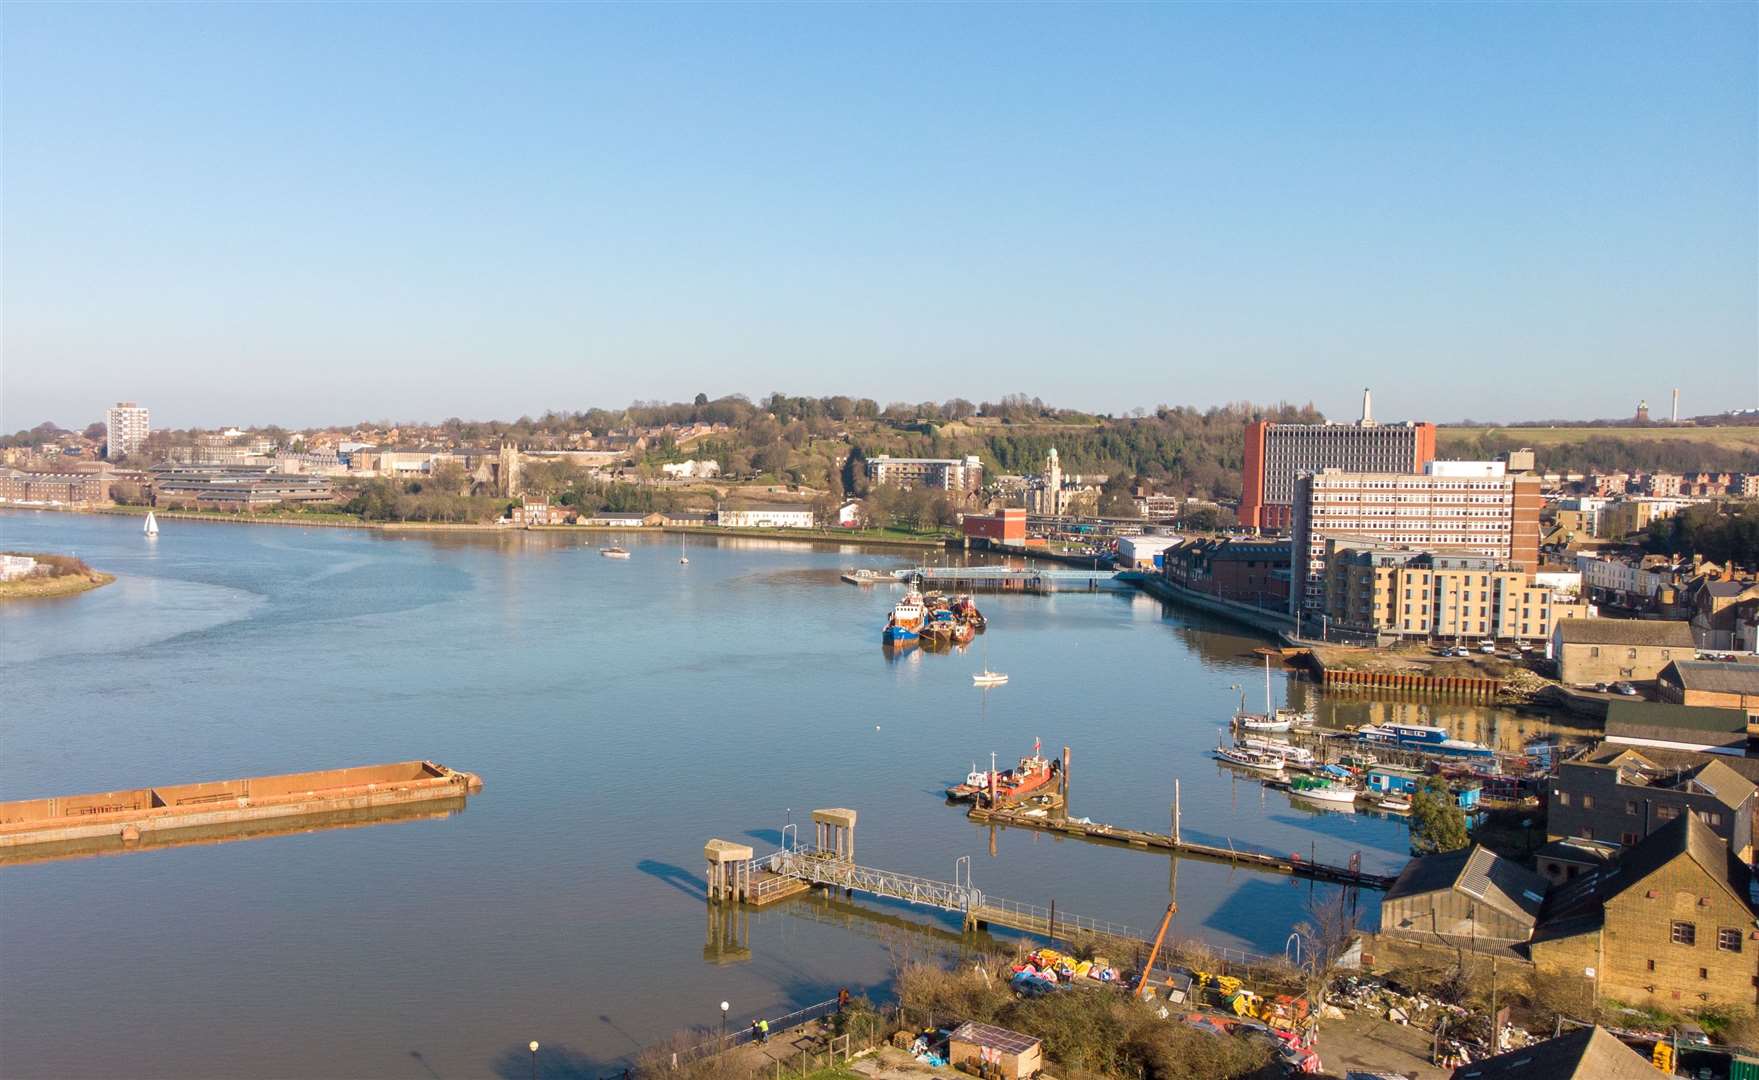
(683, 559)
(986, 677)
(152, 526)
(1272, 719)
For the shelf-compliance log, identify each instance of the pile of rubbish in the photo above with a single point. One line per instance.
(1465, 1035)
(1055, 968)
(1377, 997)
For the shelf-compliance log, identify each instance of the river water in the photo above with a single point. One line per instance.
(621, 714)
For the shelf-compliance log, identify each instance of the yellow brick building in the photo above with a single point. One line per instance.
(1414, 593)
(1671, 923)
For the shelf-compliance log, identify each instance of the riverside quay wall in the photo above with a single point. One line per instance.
(132, 814)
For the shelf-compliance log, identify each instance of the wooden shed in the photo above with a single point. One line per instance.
(996, 1051)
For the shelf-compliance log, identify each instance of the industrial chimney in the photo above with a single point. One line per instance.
(1676, 405)
(1367, 406)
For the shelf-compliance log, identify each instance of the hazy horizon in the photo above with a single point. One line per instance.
(311, 214)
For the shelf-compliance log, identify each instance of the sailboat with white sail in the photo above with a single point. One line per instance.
(152, 526)
(1272, 719)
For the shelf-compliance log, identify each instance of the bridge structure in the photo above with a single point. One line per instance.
(1009, 578)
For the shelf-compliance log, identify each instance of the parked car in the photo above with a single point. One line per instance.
(1624, 688)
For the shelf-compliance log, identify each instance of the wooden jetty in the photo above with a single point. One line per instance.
(157, 813)
(1153, 841)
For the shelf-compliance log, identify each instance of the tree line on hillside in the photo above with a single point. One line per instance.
(1605, 453)
(1702, 530)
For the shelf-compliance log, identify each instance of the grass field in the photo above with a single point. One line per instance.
(1733, 438)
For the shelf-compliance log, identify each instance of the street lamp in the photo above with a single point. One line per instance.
(532, 1046)
(724, 1008)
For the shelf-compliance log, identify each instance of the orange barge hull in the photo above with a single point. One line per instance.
(132, 814)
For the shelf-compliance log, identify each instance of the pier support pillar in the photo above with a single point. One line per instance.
(836, 832)
(729, 871)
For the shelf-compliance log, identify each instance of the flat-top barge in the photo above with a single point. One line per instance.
(129, 815)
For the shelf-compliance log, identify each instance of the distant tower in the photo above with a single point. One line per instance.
(1053, 483)
(1367, 407)
(1642, 412)
(510, 485)
(1675, 417)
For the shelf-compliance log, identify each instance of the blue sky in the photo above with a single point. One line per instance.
(307, 214)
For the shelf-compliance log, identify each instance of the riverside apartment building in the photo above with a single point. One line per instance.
(1454, 508)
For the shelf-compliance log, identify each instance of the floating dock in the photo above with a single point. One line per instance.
(226, 809)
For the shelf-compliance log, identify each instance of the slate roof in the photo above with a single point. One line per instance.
(1578, 905)
(1667, 633)
(1711, 676)
(1611, 753)
(1696, 725)
(1583, 1054)
(1480, 874)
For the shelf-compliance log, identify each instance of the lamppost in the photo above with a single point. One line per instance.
(724, 1008)
(532, 1046)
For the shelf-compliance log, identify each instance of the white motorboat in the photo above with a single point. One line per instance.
(1394, 804)
(1250, 759)
(986, 677)
(1325, 791)
(614, 553)
(1290, 753)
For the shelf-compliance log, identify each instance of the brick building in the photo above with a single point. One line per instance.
(54, 488)
(1589, 651)
(1670, 924)
(1712, 683)
(1277, 454)
(1619, 794)
(1246, 571)
(1005, 526)
(1409, 593)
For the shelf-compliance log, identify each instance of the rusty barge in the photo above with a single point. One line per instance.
(258, 805)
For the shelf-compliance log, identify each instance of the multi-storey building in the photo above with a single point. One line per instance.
(1662, 485)
(1277, 455)
(959, 475)
(125, 429)
(1626, 516)
(1452, 508)
(1619, 794)
(54, 488)
(1747, 487)
(1406, 593)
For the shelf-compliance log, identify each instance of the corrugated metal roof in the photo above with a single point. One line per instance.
(1008, 1042)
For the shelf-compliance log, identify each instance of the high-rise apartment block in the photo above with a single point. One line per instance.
(1277, 454)
(1451, 508)
(125, 429)
(958, 475)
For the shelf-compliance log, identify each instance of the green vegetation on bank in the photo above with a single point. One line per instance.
(1702, 530)
(54, 575)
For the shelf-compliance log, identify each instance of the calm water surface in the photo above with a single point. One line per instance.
(620, 713)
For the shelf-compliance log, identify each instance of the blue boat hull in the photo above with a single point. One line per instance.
(898, 635)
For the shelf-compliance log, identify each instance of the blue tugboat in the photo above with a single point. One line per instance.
(905, 625)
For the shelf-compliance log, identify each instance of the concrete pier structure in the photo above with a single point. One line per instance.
(729, 871)
(836, 832)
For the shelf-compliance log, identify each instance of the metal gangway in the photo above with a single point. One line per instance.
(825, 867)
